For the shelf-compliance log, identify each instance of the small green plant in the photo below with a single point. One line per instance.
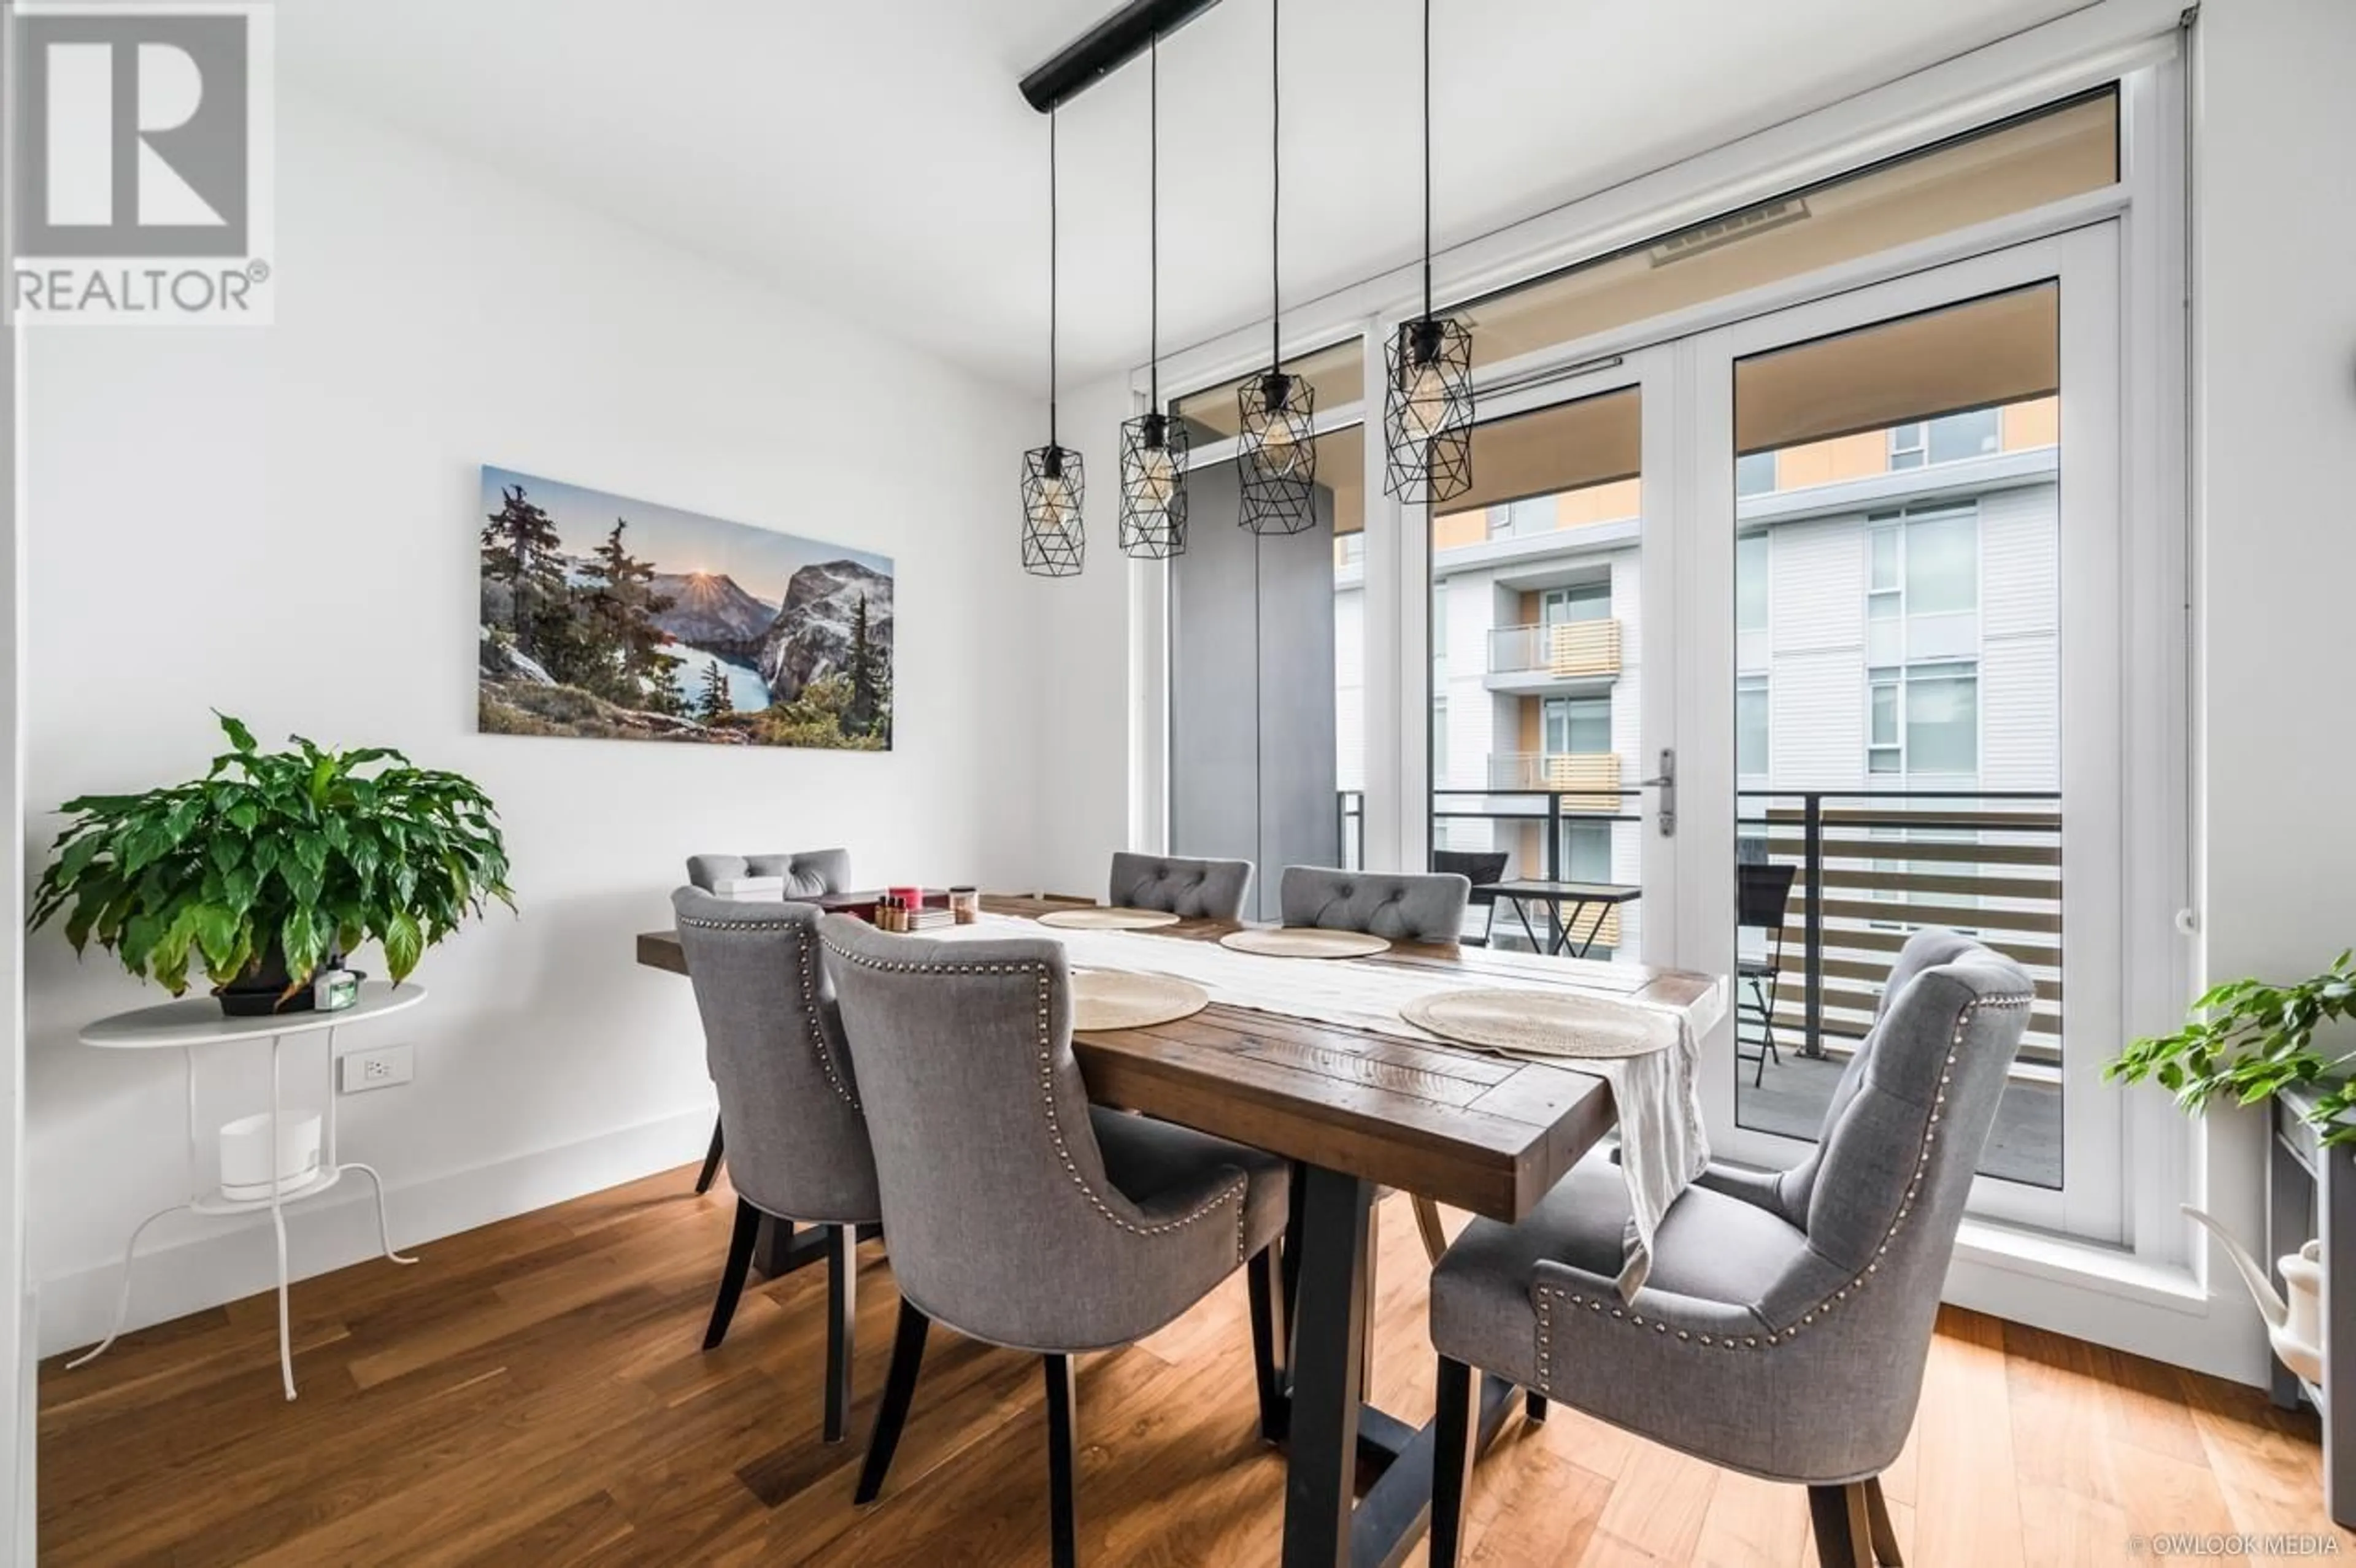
(2248, 1040)
(275, 856)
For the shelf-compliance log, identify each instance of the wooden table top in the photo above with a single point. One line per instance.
(1489, 1134)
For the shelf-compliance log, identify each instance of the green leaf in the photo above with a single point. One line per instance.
(404, 944)
(238, 735)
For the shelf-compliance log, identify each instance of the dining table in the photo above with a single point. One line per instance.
(1359, 1110)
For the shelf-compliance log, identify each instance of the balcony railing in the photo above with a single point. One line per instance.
(1565, 650)
(1869, 868)
(1588, 781)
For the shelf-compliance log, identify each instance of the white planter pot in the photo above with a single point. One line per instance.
(245, 1155)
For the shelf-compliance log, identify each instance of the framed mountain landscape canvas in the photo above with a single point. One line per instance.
(623, 620)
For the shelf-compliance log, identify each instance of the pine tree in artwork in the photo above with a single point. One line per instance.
(863, 711)
(713, 702)
(663, 692)
(521, 549)
(626, 646)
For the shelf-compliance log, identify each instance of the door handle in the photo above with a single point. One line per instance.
(1666, 782)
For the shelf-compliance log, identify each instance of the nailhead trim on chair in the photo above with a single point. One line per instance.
(803, 949)
(1047, 1093)
(1823, 1307)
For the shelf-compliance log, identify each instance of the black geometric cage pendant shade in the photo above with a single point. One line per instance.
(1276, 452)
(1153, 445)
(1428, 391)
(1277, 459)
(1055, 483)
(1427, 411)
(1153, 487)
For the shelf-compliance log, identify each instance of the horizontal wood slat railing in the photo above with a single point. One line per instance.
(1872, 868)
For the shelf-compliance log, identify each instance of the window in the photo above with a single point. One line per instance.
(1942, 564)
(1520, 519)
(1582, 602)
(1578, 726)
(1587, 852)
(1958, 436)
(1750, 726)
(1439, 742)
(1755, 474)
(1750, 583)
(1923, 719)
(1909, 445)
(1943, 720)
(1882, 754)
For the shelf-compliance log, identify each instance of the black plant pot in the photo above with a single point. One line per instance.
(254, 994)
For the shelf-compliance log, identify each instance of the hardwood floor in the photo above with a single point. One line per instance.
(532, 1392)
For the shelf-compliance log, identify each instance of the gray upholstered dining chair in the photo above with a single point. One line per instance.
(799, 1152)
(1403, 906)
(1783, 1328)
(808, 874)
(1018, 1213)
(1198, 890)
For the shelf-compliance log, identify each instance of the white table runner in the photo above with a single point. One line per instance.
(1662, 1144)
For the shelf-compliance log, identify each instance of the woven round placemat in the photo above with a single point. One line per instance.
(1115, 999)
(1109, 918)
(1305, 941)
(1542, 1023)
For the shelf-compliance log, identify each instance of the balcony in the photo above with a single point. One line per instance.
(1869, 869)
(1583, 782)
(1566, 655)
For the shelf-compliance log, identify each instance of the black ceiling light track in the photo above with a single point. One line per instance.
(1106, 47)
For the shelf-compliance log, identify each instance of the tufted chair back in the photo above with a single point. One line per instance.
(808, 873)
(1402, 906)
(1005, 1223)
(1198, 890)
(773, 1040)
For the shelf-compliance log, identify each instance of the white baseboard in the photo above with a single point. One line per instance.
(211, 1261)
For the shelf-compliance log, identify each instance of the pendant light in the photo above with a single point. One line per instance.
(1055, 541)
(1153, 445)
(1428, 397)
(1276, 457)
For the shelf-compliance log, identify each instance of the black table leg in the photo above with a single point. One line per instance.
(1332, 1436)
(1328, 1348)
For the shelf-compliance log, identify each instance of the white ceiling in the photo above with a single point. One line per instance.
(878, 158)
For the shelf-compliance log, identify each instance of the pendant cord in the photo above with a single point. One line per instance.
(1053, 236)
(1275, 183)
(1427, 160)
(1154, 226)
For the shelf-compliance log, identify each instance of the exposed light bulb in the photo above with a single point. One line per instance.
(1282, 448)
(1157, 476)
(1056, 507)
(1423, 410)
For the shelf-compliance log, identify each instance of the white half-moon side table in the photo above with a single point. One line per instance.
(198, 1021)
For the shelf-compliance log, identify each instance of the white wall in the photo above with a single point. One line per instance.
(282, 523)
(2276, 286)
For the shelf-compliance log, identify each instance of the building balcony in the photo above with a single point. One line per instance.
(1585, 782)
(1568, 655)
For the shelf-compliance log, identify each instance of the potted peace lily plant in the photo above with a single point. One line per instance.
(272, 867)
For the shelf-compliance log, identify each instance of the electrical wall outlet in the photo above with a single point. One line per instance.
(361, 1071)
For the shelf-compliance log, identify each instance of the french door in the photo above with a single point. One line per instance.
(1847, 663)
